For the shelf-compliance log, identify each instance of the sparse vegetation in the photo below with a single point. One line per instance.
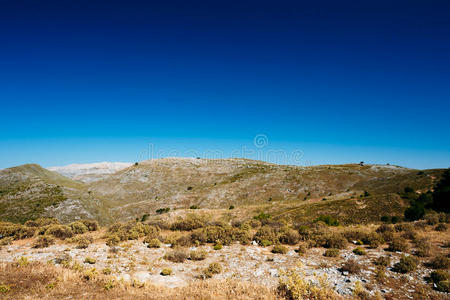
(213, 269)
(406, 264)
(351, 266)
(176, 255)
(197, 255)
(280, 249)
(331, 252)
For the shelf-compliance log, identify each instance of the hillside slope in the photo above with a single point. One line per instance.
(30, 191)
(253, 185)
(299, 193)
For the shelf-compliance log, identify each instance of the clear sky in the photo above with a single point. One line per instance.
(338, 81)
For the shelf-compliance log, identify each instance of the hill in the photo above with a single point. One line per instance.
(212, 186)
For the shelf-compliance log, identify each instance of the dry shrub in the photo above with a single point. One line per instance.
(33, 282)
(385, 228)
(337, 241)
(16, 231)
(131, 230)
(78, 227)
(213, 269)
(423, 247)
(398, 244)
(112, 240)
(432, 219)
(302, 248)
(404, 227)
(441, 280)
(197, 255)
(265, 236)
(359, 251)
(190, 222)
(280, 249)
(331, 252)
(406, 264)
(92, 225)
(43, 241)
(292, 285)
(440, 262)
(40, 222)
(59, 231)
(351, 266)
(176, 255)
(373, 240)
(83, 242)
(355, 235)
(152, 243)
(441, 227)
(384, 261)
(289, 236)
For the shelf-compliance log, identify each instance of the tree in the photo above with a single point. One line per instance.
(441, 194)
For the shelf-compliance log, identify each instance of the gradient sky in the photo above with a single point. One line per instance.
(340, 81)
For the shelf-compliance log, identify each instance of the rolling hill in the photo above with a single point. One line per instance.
(298, 193)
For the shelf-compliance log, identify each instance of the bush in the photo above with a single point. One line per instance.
(92, 225)
(166, 272)
(197, 255)
(351, 266)
(262, 216)
(231, 207)
(189, 223)
(265, 236)
(335, 241)
(78, 227)
(385, 228)
(373, 240)
(59, 231)
(280, 249)
(83, 241)
(217, 246)
(441, 280)
(398, 244)
(90, 260)
(354, 235)
(329, 220)
(384, 261)
(331, 252)
(290, 237)
(423, 247)
(359, 251)
(432, 219)
(214, 268)
(406, 264)
(152, 243)
(177, 255)
(40, 222)
(194, 207)
(161, 211)
(112, 240)
(440, 262)
(43, 241)
(107, 271)
(441, 227)
(301, 250)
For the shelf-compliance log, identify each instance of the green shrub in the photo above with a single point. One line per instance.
(197, 255)
(398, 244)
(59, 231)
(90, 260)
(107, 271)
(406, 264)
(231, 207)
(166, 272)
(78, 227)
(194, 207)
(217, 246)
(40, 222)
(331, 252)
(43, 241)
(439, 275)
(4, 288)
(329, 220)
(161, 211)
(213, 268)
(443, 286)
(359, 251)
(177, 256)
(152, 243)
(440, 262)
(280, 249)
(262, 216)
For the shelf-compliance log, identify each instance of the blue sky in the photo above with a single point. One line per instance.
(86, 81)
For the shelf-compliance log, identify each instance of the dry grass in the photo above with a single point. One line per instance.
(41, 281)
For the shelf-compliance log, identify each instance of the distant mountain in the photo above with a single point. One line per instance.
(298, 193)
(90, 172)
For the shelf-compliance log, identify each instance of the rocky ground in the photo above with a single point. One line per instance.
(133, 261)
